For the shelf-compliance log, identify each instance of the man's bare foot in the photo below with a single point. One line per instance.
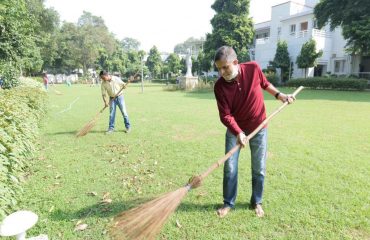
(259, 211)
(222, 212)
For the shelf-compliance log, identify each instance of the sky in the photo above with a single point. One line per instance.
(163, 23)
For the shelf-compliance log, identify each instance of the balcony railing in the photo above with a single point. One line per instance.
(299, 34)
(262, 40)
(314, 33)
(320, 33)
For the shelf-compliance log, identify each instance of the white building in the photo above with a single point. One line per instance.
(294, 22)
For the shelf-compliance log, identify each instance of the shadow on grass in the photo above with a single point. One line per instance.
(111, 210)
(306, 94)
(98, 210)
(194, 207)
(74, 132)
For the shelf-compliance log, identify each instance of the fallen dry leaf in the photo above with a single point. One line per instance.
(106, 209)
(106, 195)
(178, 224)
(92, 194)
(81, 227)
(106, 201)
(51, 209)
(201, 194)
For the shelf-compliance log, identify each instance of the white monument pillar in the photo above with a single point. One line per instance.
(188, 81)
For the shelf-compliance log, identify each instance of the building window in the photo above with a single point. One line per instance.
(262, 35)
(304, 26)
(314, 24)
(292, 29)
(336, 66)
(279, 31)
(339, 66)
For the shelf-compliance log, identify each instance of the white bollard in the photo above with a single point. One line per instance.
(17, 223)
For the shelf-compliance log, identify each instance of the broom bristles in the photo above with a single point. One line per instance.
(146, 220)
(88, 126)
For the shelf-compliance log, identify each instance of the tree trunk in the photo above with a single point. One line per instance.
(282, 75)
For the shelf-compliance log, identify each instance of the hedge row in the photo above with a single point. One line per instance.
(164, 81)
(330, 83)
(21, 109)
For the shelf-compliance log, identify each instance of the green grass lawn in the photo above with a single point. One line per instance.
(318, 167)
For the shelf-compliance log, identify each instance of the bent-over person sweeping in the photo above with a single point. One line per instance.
(111, 86)
(241, 108)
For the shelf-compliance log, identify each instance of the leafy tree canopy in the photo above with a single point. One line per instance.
(130, 44)
(308, 55)
(154, 61)
(231, 26)
(354, 18)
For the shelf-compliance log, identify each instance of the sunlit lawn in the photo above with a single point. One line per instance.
(318, 172)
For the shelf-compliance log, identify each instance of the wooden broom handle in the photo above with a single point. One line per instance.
(251, 135)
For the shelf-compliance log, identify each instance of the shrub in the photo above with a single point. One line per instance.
(330, 83)
(164, 81)
(171, 88)
(272, 78)
(21, 108)
(9, 75)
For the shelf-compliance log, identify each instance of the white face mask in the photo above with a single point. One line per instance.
(233, 74)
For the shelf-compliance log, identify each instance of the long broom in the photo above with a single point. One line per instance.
(88, 126)
(146, 220)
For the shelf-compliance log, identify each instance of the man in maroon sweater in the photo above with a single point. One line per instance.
(241, 107)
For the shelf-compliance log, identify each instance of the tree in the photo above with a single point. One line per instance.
(92, 35)
(46, 31)
(196, 45)
(113, 63)
(17, 34)
(134, 63)
(67, 58)
(308, 56)
(88, 19)
(154, 62)
(281, 60)
(130, 44)
(205, 62)
(183, 67)
(173, 63)
(352, 16)
(196, 65)
(231, 26)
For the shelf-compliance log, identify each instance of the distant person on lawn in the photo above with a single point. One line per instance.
(111, 85)
(45, 80)
(241, 108)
